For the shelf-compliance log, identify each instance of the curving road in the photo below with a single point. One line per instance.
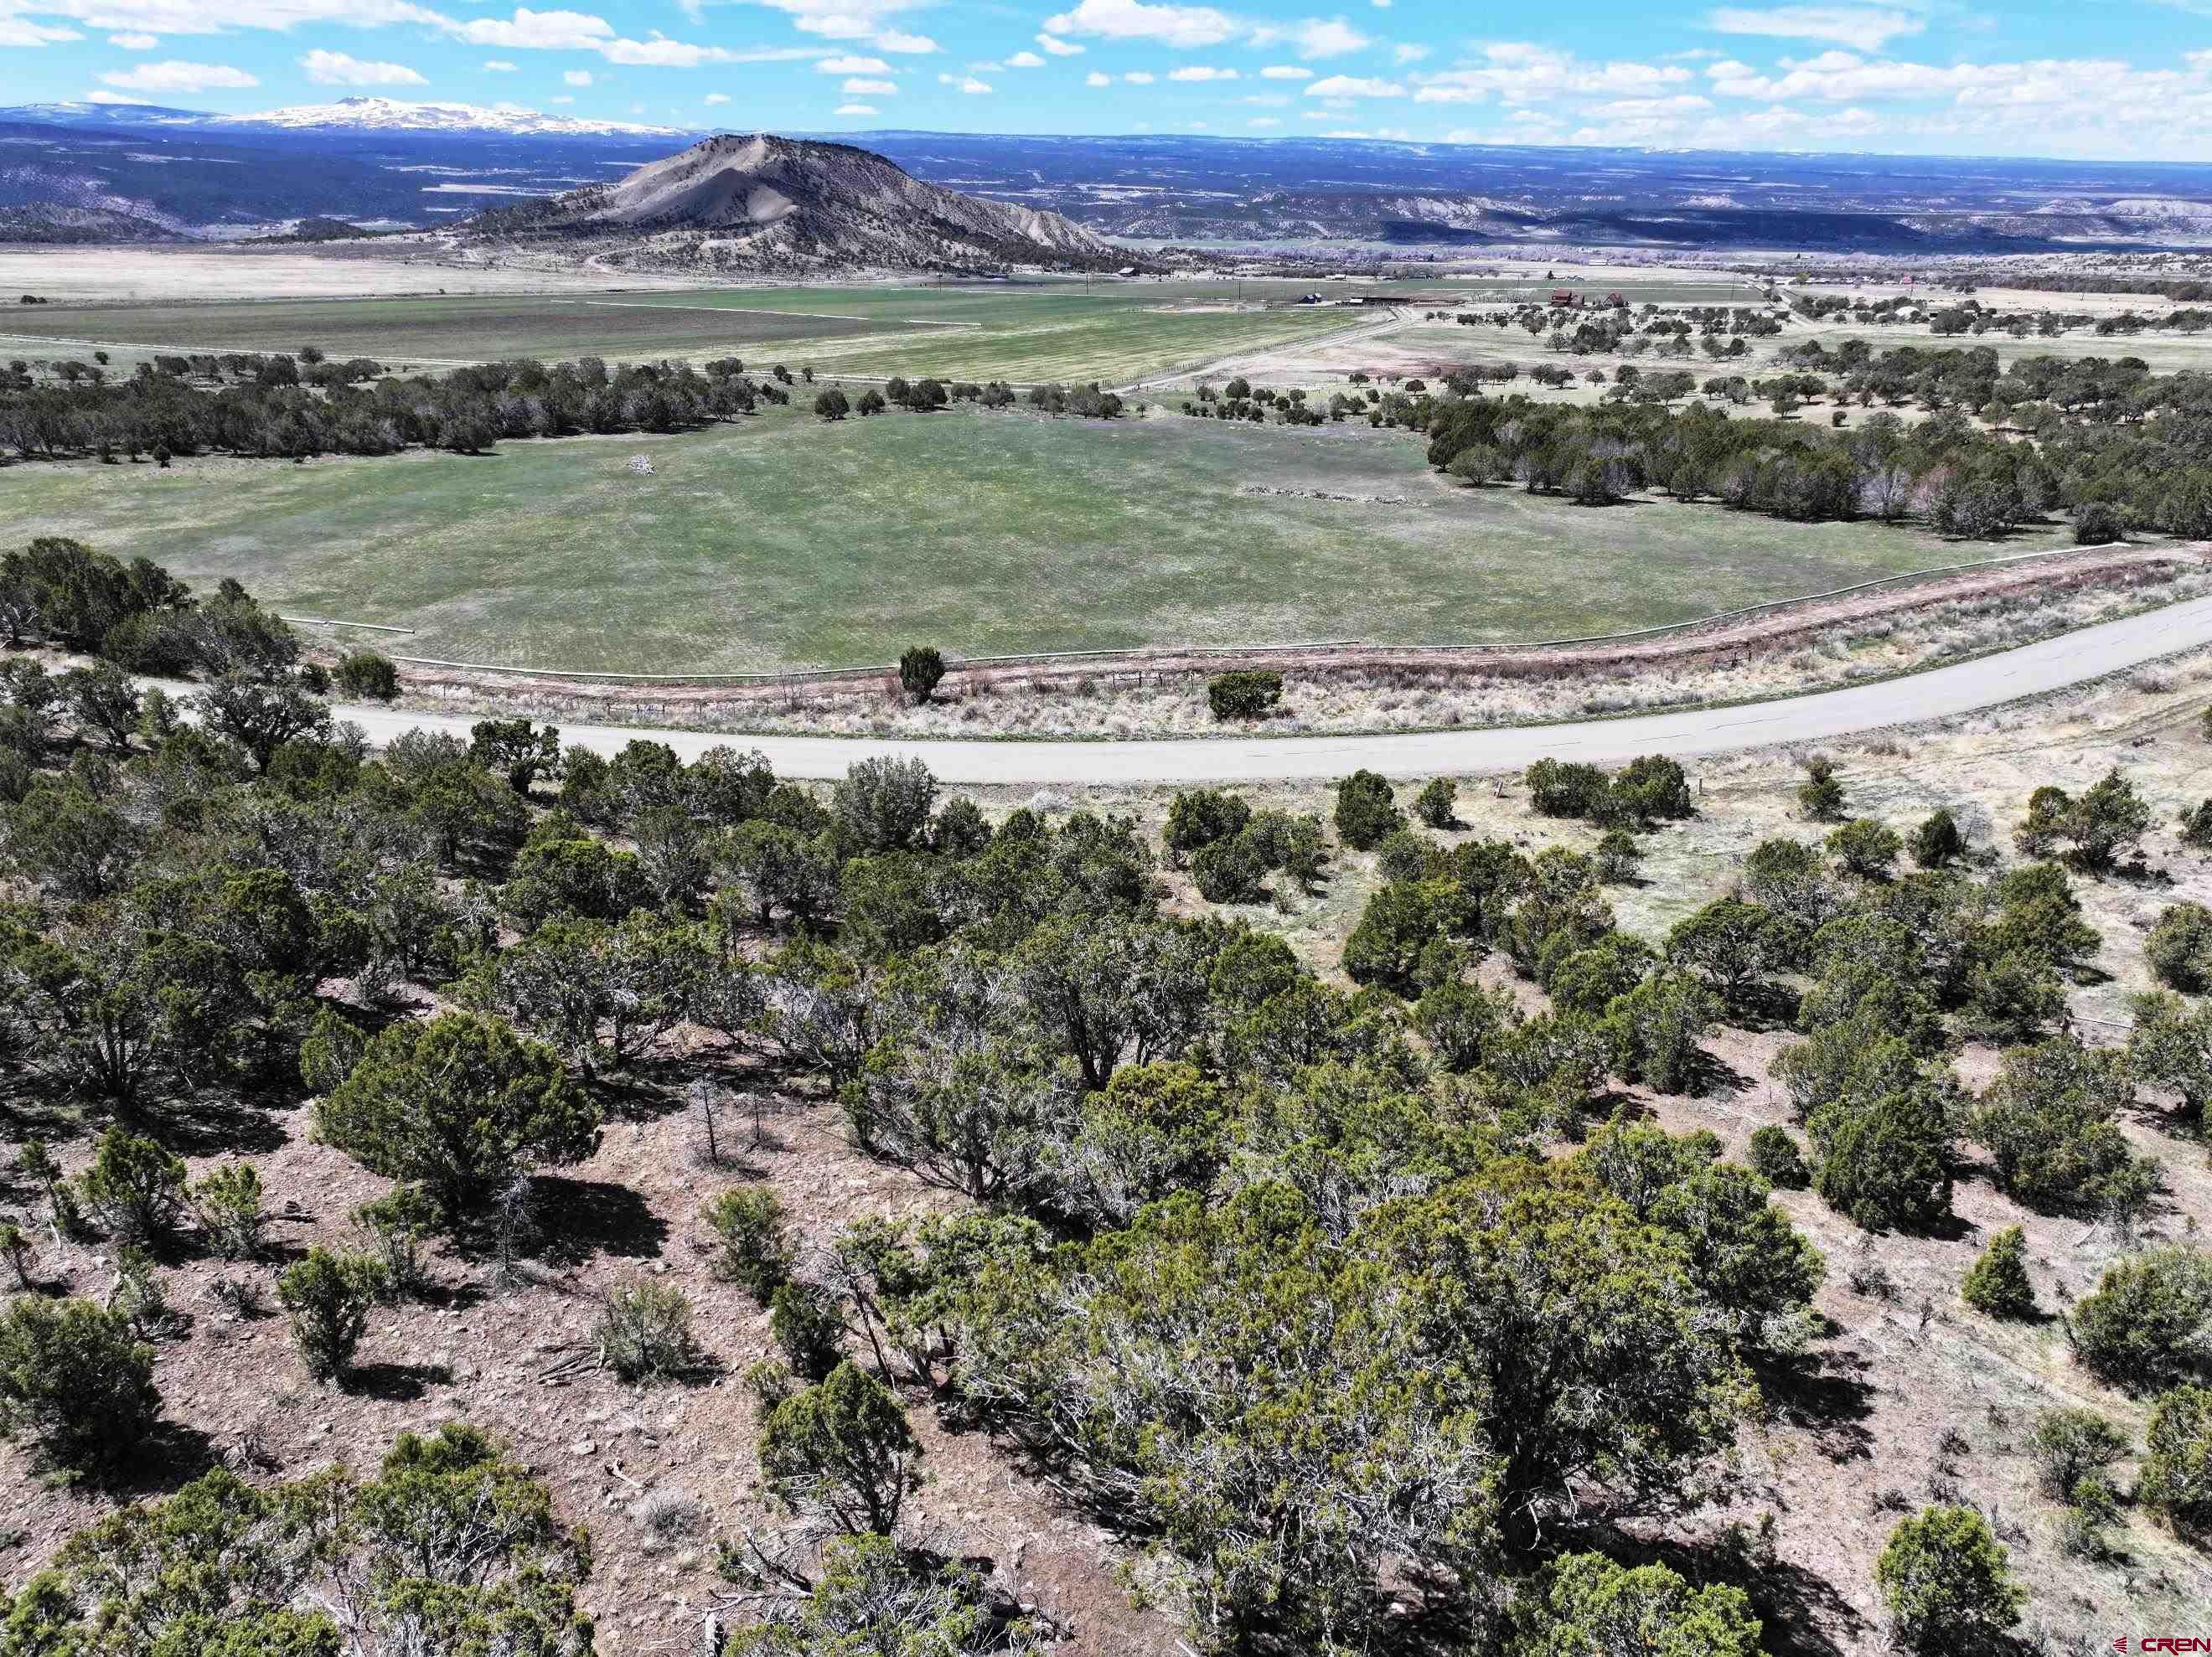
(1963, 687)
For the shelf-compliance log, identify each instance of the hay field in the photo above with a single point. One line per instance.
(779, 542)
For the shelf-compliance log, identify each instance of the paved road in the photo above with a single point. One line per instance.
(1964, 688)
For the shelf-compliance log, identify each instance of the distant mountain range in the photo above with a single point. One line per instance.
(110, 172)
(356, 114)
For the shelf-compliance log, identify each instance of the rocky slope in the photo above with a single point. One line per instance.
(760, 201)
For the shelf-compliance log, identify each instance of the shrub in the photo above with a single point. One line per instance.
(1653, 789)
(1405, 855)
(228, 1205)
(1245, 694)
(1438, 804)
(1865, 847)
(134, 1187)
(1618, 856)
(1947, 1579)
(366, 674)
(2098, 524)
(1885, 1163)
(756, 1251)
(1199, 817)
(2069, 1443)
(842, 1449)
(644, 1333)
(2144, 1329)
(1401, 921)
(74, 1379)
(399, 1223)
(2177, 1473)
(460, 1103)
(830, 404)
(1997, 1281)
(2179, 947)
(333, 1047)
(1774, 1156)
(2048, 1123)
(1366, 813)
(1232, 872)
(1937, 843)
(1586, 1605)
(921, 669)
(329, 1294)
(884, 804)
(1562, 788)
(1821, 796)
(809, 1331)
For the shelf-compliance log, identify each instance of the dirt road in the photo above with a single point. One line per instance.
(1963, 687)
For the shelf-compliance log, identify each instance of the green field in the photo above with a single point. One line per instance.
(1116, 333)
(781, 541)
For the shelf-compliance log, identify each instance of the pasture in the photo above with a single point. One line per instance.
(1023, 333)
(781, 541)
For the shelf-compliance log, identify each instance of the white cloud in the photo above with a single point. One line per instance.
(1138, 77)
(336, 68)
(535, 31)
(854, 19)
(894, 40)
(1286, 72)
(854, 109)
(175, 75)
(209, 17)
(110, 98)
(1863, 28)
(21, 32)
(1095, 79)
(1263, 120)
(501, 66)
(563, 99)
(1315, 38)
(715, 98)
(1203, 72)
(1407, 52)
(1355, 86)
(576, 77)
(862, 88)
(1057, 47)
(849, 65)
(1134, 19)
(966, 84)
(135, 42)
(1265, 100)
(1516, 72)
(1025, 60)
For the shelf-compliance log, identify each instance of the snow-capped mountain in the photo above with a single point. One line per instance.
(396, 115)
(356, 114)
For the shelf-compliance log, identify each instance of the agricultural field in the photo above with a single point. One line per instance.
(781, 541)
(1040, 332)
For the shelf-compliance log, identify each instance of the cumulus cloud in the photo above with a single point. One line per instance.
(1138, 77)
(1095, 79)
(1516, 72)
(1315, 38)
(1863, 28)
(1025, 60)
(1263, 120)
(715, 98)
(1135, 19)
(1355, 86)
(966, 84)
(135, 42)
(1057, 47)
(21, 32)
(576, 77)
(854, 109)
(1202, 72)
(1286, 72)
(336, 68)
(501, 66)
(846, 64)
(173, 75)
(863, 88)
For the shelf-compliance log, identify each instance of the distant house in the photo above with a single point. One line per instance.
(1617, 298)
(1564, 296)
(1127, 271)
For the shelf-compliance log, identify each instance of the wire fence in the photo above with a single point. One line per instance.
(1167, 653)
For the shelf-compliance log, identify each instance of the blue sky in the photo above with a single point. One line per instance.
(2095, 78)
